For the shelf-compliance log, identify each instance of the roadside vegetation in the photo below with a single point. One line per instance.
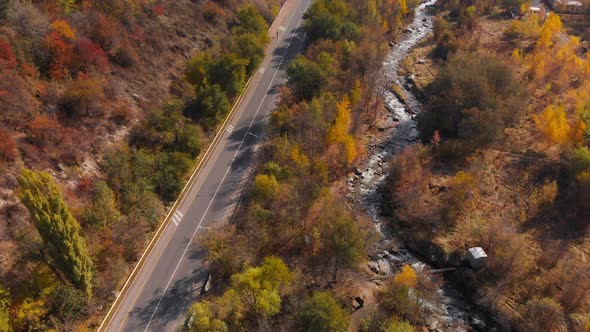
(503, 165)
(290, 214)
(98, 99)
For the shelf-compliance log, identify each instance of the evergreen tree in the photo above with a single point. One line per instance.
(57, 227)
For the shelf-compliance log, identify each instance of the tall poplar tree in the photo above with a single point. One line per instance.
(58, 228)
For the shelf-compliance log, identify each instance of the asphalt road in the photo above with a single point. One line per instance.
(173, 274)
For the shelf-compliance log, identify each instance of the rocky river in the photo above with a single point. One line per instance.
(447, 311)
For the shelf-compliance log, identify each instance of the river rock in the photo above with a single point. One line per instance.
(374, 267)
(384, 267)
(477, 323)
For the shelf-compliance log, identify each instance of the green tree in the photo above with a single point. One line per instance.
(200, 319)
(250, 21)
(31, 316)
(229, 71)
(260, 288)
(211, 105)
(58, 228)
(248, 46)
(474, 97)
(321, 313)
(341, 241)
(306, 77)
(167, 128)
(324, 19)
(398, 326)
(265, 187)
(579, 159)
(4, 310)
(103, 210)
(68, 304)
(172, 167)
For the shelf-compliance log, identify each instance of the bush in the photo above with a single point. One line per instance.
(322, 313)
(126, 56)
(211, 106)
(579, 159)
(92, 56)
(265, 187)
(171, 168)
(17, 104)
(8, 151)
(474, 97)
(45, 131)
(7, 59)
(212, 12)
(84, 96)
(306, 77)
(543, 314)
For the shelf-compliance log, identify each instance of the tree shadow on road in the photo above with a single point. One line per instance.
(181, 294)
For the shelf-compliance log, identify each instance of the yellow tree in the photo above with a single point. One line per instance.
(403, 7)
(339, 132)
(550, 28)
(555, 127)
(407, 277)
(63, 28)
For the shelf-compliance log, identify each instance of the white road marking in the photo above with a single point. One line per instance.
(177, 217)
(250, 133)
(203, 227)
(229, 128)
(261, 70)
(282, 28)
(223, 178)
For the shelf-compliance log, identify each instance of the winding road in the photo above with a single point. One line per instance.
(172, 272)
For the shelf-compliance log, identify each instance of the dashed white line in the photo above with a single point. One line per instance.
(222, 179)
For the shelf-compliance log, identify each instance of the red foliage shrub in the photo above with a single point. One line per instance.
(28, 70)
(92, 55)
(7, 59)
(158, 10)
(8, 151)
(86, 185)
(44, 130)
(103, 30)
(60, 55)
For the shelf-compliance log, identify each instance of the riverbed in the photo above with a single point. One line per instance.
(447, 311)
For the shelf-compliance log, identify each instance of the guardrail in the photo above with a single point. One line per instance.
(202, 161)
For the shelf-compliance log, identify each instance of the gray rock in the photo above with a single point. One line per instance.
(384, 267)
(374, 267)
